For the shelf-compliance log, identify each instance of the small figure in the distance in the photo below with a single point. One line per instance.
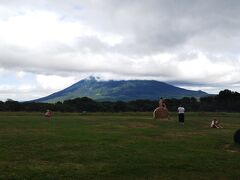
(162, 103)
(181, 111)
(48, 113)
(161, 112)
(215, 124)
(218, 124)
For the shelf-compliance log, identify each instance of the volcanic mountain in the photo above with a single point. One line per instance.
(124, 90)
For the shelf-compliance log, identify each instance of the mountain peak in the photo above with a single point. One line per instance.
(92, 78)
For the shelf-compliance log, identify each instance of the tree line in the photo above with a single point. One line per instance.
(226, 100)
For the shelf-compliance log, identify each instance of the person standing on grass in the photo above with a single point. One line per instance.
(181, 111)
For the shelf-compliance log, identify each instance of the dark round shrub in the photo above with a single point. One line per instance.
(236, 136)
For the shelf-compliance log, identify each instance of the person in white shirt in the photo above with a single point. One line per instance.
(215, 124)
(181, 111)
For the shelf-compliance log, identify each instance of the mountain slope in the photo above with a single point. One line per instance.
(120, 90)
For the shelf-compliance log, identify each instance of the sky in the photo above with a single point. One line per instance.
(47, 45)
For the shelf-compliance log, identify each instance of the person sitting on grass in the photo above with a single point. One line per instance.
(162, 103)
(215, 124)
(218, 124)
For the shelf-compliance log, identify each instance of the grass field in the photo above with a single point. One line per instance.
(117, 146)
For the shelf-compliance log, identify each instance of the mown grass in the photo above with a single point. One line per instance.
(117, 146)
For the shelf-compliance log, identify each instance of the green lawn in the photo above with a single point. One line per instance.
(117, 146)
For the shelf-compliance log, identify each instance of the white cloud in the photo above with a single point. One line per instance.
(36, 29)
(204, 70)
(52, 82)
(26, 88)
(20, 74)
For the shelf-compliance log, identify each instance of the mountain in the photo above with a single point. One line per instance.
(120, 90)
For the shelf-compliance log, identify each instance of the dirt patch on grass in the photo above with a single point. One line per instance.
(151, 138)
(128, 125)
(182, 135)
(11, 131)
(140, 125)
(231, 148)
(25, 131)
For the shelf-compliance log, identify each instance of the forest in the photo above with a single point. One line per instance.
(225, 101)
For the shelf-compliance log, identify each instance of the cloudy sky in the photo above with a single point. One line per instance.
(47, 45)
